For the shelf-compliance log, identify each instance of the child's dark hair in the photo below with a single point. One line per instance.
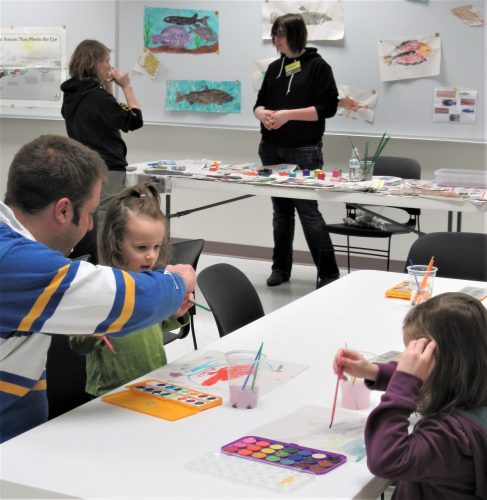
(458, 325)
(295, 28)
(139, 199)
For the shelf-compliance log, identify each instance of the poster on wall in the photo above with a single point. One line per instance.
(366, 101)
(203, 95)
(468, 15)
(181, 31)
(324, 20)
(451, 105)
(259, 67)
(409, 57)
(32, 66)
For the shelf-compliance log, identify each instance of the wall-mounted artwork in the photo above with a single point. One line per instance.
(203, 95)
(452, 105)
(411, 57)
(183, 31)
(259, 67)
(366, 101)
(324, 20)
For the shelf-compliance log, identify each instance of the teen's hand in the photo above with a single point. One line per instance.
(121, 77)
(418, 358)
(354, 364)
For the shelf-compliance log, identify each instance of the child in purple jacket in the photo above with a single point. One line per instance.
(442, 374)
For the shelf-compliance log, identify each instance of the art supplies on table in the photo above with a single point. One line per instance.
(163, 399)
(248, 472)
(289, 455)
(386, 357)
(474, 291)
(399, 291)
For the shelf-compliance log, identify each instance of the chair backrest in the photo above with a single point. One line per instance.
(184, 252)
(398, 166)
(457, 255)
(231, 296)
(65, 377)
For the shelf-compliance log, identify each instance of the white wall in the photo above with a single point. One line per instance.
(249, 222)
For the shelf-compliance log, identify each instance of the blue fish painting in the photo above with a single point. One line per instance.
(184, 31)
(203, 95)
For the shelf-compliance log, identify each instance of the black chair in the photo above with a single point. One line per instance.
(406, 168)
(65, 377)
(185, 252)
(231, 297)
(457, 255)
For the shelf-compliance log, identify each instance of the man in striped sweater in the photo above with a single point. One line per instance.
(53, 191)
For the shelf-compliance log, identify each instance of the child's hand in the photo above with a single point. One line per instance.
(186, 305)
(418, 358)
(354, 364)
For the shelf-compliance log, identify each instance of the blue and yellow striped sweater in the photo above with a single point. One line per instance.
(41, 293)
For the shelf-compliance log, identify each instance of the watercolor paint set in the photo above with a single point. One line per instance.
(163, 399)
(289, 455)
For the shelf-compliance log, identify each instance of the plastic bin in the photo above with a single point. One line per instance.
(451, 177)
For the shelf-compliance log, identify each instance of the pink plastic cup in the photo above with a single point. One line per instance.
(355, 395)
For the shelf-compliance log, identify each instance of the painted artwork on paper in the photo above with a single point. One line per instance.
(147, 64)
(366, 101)
(183, 31)
(324, 20)
(203, 95)
(209, 372)
(468, 15)
(259, 67)
(452, 105)
(309, 426)
(411, 57)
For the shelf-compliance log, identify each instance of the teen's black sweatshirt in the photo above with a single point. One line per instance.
(314, 86)
(94, 117)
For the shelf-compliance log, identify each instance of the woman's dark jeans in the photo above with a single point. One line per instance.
(318, 239)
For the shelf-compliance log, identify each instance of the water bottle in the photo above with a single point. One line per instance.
(354, 166)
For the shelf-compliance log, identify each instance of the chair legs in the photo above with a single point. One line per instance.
(193, 333)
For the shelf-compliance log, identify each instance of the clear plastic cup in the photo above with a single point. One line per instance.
(421, 292)
(243, 378)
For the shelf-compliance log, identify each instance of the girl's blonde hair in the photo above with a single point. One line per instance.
(458, 325)
(86, 56)
(139, 199)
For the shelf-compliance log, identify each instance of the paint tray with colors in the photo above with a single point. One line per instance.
(172, 393)
(289, 455)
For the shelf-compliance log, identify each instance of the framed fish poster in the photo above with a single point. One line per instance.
(412, 57)
(203, 95)
(183, 31)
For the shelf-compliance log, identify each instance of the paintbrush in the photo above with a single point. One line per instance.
(339, 376)
(256, 359)
(108, 344)
(199, 305)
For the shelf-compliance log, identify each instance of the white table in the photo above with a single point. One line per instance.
(243, 190)
(101, 450)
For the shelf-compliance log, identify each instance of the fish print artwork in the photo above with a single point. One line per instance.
(203, 95)
(309, 17)
(412, 57)
(184, 31)
(324, 20)
(408, 53)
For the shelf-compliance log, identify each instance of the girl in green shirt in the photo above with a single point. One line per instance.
(134, 237)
